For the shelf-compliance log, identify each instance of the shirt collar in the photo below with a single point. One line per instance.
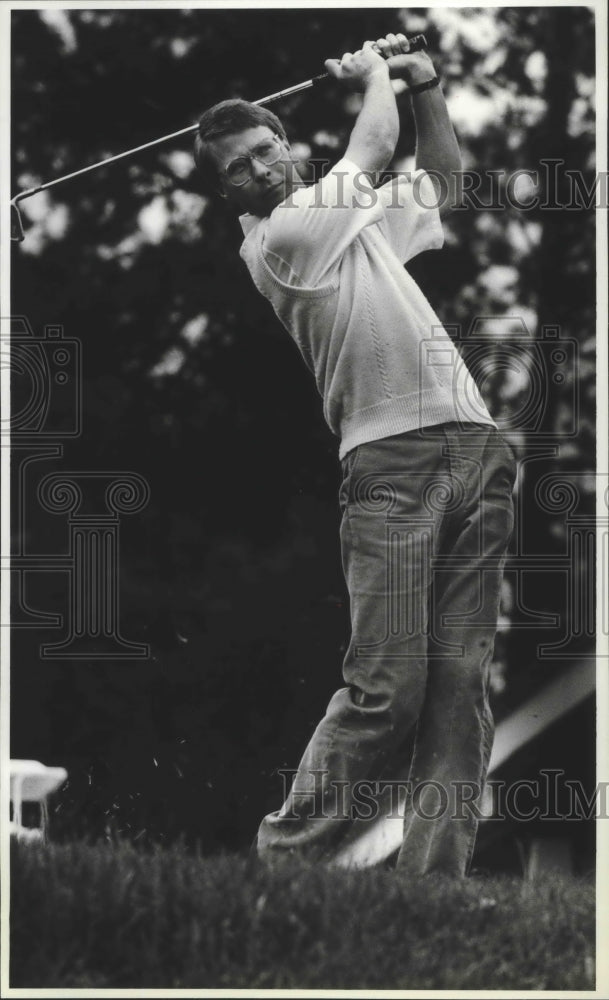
(248, 222)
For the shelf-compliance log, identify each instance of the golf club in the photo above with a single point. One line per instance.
(417, 42)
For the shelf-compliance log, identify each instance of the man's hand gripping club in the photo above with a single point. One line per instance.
(375, 133)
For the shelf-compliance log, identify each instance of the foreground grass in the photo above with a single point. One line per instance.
(111, 917)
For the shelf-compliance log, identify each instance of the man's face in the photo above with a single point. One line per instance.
(265, 185)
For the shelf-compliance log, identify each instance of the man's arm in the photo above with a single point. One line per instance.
(437, 149)
(375, 133)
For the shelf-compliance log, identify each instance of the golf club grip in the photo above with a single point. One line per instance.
(417, 44)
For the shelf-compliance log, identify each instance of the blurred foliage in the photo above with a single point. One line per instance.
(232, 573)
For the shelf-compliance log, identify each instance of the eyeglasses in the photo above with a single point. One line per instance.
(239, 170)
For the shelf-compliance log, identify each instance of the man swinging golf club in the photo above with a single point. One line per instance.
(426, 497)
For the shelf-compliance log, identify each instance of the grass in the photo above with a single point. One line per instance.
(110, 916)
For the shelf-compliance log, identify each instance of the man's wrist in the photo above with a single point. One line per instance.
(414, 79)
(420, 88)
(378, 78)
(420, 70)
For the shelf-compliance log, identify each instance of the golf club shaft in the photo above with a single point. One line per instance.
(417, 43)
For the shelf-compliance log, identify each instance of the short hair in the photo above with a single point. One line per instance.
(227, 118)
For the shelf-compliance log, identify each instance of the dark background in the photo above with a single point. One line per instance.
(231, 573)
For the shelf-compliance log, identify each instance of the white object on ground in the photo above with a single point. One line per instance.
(32, 781)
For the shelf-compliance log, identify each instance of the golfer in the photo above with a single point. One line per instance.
(426, 497)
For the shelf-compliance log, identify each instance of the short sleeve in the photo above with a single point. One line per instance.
(411, 222)
(310, 231)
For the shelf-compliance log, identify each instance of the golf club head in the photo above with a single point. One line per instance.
(17, 233)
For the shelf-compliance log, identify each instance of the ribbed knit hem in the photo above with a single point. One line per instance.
(406, 413)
